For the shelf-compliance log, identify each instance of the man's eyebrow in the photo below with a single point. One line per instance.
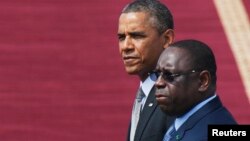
(120, 34)
(136, 33)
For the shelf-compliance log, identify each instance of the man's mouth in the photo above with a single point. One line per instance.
(129, 59)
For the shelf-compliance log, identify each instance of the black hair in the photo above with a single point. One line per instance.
(162, 16)
(203, 55)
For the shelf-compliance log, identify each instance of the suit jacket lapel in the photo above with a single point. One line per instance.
(149, 108)
(209, 107)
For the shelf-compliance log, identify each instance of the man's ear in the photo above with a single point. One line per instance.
(205, 80)
(168, 36)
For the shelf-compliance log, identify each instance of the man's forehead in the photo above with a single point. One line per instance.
(127, 26)
(174, 56)
(134, 17)
(176, 51)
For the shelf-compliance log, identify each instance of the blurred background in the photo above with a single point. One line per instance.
(62, 78)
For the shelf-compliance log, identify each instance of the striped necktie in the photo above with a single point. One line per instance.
(169, 133)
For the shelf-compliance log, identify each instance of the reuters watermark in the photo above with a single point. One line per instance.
(241, 132)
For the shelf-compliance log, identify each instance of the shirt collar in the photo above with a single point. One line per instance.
(180, 120)
(147, 85)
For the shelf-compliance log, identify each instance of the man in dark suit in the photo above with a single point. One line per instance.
(145, 29)
(186, 88)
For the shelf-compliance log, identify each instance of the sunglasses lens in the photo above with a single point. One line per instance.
(157, 74)
(168, 77)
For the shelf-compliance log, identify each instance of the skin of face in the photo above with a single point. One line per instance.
(177, 97)
(140, 44)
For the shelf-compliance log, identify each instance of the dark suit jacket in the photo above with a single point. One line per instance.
(195, 128)
(153, 123)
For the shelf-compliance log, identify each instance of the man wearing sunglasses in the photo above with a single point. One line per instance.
(186, 88)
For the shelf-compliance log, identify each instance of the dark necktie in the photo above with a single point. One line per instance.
(136, 113)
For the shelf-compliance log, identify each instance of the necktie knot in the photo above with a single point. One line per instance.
(169, 133)
(140, 95)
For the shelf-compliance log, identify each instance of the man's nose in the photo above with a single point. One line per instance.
(160, 82)
(128, 44)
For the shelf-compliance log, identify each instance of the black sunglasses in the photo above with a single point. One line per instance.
(168, 76)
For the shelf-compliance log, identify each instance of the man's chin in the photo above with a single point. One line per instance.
(132, 71)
